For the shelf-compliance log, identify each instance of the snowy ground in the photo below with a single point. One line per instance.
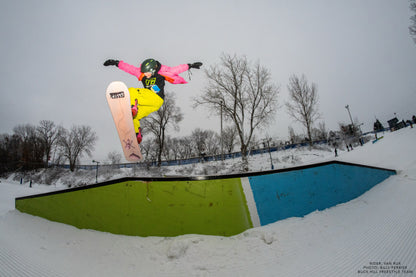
(373, 235)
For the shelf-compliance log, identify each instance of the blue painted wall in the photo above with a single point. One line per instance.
(297, 193)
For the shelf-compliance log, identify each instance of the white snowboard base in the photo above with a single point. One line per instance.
(118, 98)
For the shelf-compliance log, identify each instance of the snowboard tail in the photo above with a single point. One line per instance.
(118, 98)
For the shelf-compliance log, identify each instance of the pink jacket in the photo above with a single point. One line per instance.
(170, 73)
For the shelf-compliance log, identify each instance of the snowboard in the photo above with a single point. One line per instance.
(374, 141)
(118, 98)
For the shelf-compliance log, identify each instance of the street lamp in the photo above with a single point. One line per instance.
(270, 151)
(353, 127)
(348, 109)
(96, 170)
(222, 139)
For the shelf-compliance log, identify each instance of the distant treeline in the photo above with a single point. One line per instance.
(31, 147)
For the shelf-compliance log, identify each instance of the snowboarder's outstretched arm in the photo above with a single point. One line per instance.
(171, 72)
(180, 68)
(175, 70)
(131, 69)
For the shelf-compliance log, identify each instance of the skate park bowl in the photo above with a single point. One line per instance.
(209, 205)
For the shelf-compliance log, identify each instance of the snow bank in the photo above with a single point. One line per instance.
(373, 235)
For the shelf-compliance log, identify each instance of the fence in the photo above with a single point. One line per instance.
(194, 160)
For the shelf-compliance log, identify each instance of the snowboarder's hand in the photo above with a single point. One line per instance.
(196, 65)
(134, 109)
(111, 62)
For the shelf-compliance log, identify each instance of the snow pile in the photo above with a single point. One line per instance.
(372, 235)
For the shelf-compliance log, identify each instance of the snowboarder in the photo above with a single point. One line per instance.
(153, 75)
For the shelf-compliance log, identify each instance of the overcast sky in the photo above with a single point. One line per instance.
(358, 52)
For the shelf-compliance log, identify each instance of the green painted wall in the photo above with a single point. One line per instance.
(160, 208)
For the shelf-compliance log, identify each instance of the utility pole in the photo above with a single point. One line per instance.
(267, 140)
(96, 171)
(222, 139)
(348, 109)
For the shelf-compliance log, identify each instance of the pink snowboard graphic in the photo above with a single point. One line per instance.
(118, 98)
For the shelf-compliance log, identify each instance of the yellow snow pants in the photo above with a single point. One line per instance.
(148, 102)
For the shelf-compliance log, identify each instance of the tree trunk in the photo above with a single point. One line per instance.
(244, 158)
(310, 136)
(71, 166)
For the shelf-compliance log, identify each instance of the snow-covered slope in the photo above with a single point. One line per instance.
(373, 233)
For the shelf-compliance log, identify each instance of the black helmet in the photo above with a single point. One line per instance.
(149, 65)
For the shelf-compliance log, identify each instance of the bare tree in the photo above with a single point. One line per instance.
(349, 130)
(212, 146)
(244, 94)
(412, 27)
(171, 148)
(31, 148)
(5, 158)
(147, 148)
(198, 141)
(229, 136)
(303, 102)
(48, 134)
(75, 143)
(114, 157)
(323, 133)
(157, 123)
(293, 137)
(184, 148)
(205, 142)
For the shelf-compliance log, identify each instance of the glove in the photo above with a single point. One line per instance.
(196, 65)
(134, 109)
(111, 62)
(139, 136)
